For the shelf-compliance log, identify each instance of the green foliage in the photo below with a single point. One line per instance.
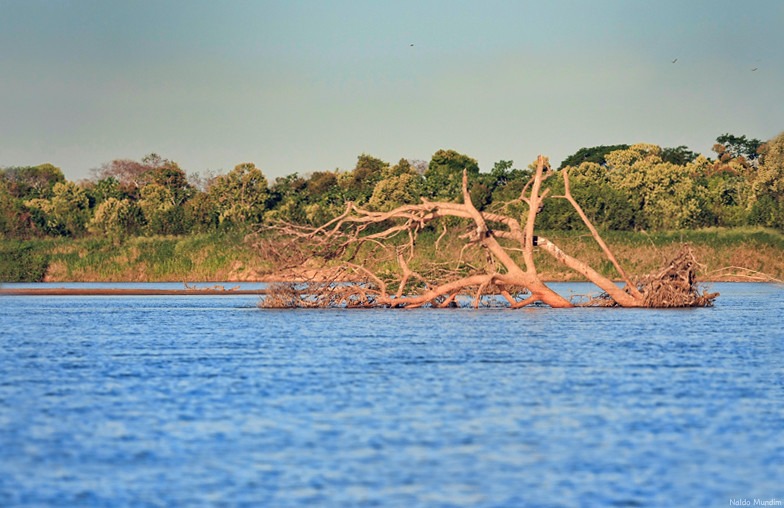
(725, 198)
(767, 187)
(444, 175)
(680, 155)
(287, 198)
(769, 179)
(161, 214)
(595, 154)
(506, 183)
(620, 187)
(557, 214)
(200, 213)
(662, 194)
(32, 182)
(14, 220)
(358, 185)
(503, 173)
(399, 185)
(23, 261)
(738, 146)
(240, 196)
(604, 204)
(322, 186)
(174, 179)
(64, 214)
(100, 191)
(116, 219)
(767, 211)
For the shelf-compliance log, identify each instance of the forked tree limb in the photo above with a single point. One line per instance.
(596, 236)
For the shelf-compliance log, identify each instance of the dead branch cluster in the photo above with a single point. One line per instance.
(390, 239)
(675, 285)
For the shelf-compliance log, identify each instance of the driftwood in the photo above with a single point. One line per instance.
(501, 281)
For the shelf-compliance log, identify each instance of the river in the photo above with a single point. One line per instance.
(210, 401)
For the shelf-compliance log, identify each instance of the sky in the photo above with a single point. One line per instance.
(298, 86)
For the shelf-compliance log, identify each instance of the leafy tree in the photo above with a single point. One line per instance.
(289, 210)
(605, 205)
(481, 192)
(319, 213)
(32, 182)
(161, 214)
(503, 172)
(770, 177)
(444, 175)
(155, 197)
(358, 185)
(662, 194)
(505, 182)
(287, 198)
(65, 214)
(594, 154)
(201, 213)
(679, 155)
(170, 176)
(240, 196)
(767, 187)
(321, 185)
(725, 199)
(399, 185)
(115, 219)
(737, 146)
(767, 211)
(132, 176)
(101, 190)
(323, 198)
(14, 223)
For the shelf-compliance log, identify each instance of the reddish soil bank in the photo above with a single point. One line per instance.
(125, 292)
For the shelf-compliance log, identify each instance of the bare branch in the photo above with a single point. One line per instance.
(568, 196)
(621, 297)
(392, 235)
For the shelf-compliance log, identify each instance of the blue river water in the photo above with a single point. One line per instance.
(211, 401)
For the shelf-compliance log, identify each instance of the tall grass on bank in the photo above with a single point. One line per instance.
(214, 256)
(725, 254)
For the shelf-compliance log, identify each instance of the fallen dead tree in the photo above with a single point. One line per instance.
(500, 280)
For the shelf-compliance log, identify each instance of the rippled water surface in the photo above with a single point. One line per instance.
(209, 401)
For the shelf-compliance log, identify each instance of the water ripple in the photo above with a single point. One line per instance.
(206, 401)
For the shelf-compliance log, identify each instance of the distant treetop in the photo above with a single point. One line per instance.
(594, 154)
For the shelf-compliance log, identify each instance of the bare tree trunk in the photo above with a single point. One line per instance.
(501, 277)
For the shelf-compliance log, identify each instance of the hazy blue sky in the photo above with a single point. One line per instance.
(300, 86)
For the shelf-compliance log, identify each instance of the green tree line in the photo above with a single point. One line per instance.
(621, 187)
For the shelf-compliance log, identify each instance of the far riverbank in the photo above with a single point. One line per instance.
(725, 255)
